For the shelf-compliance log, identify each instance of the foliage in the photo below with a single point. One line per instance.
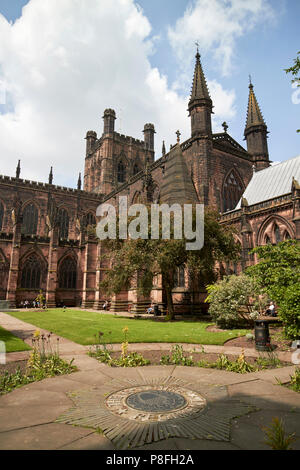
(177, 357)
(278, 275)
(240, 365)
(132, 359)
(290, 311)
(43, 362)
(235, 300)
(268, 360)
(142, 260)
(276, 436)
(294, 70)
(295, 381)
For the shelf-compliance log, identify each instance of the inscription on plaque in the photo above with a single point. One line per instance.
(156, 401)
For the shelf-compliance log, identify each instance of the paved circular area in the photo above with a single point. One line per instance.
(134, 412)
(155, 402)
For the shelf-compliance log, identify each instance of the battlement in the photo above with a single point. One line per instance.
(43, 186)
(128, 139)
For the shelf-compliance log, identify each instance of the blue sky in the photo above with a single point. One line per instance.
(260, 38)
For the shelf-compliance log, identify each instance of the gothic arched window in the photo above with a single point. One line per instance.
(179, 279)
(135, 169)
(277, 233)
(286, 235)
(232, 192)
(63, 224)
(90, 219)
(1, 215)
(67, 274)
(267, 240)
(30, 220)
(121, 173)
(31, 273)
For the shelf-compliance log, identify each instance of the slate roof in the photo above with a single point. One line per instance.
(272, 182)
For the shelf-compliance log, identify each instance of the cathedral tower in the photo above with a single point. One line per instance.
(200, 104)
(256, 133)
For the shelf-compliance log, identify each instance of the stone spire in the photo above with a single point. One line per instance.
(79, 182)
(177, 185)
(163, 151)
(200, 104)
(256, 132)
(254, 115)
(51, 176)
(199, 88)
(18, 169)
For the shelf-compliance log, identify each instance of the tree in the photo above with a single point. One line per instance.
(294, 70)
(278, 275)
(235, 301)
(142, 260)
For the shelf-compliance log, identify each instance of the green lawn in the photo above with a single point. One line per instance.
(81, 326)
(12, 343)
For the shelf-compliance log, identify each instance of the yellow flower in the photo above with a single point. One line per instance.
(37, 334)
(126, 329)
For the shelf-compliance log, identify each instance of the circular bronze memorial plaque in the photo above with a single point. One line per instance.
(156, 401)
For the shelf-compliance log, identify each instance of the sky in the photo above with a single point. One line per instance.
(62, 63)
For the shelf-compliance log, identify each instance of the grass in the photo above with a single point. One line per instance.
(12, 343)
(81, 327)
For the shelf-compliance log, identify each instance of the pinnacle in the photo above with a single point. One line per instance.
(254, 115)
(199, 87)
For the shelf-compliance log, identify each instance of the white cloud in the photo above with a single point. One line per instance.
(217, 24)
(63, 63)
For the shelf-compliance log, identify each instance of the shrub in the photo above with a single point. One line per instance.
(295, 381)
(177, 357)
(289, 311)
(43, 362)
(235, 301)
(278, 274)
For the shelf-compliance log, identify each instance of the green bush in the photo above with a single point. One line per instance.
(289, 311)
(278, 275)
(234, 301)
(44, 361)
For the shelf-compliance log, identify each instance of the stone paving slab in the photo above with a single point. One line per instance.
(42, 437)
(28, 414)
(93, 441)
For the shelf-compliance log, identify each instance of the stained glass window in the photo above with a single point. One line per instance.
(67, 274)
(121, 173)
(30, 220)
(232, 192)
(63, 223)
(31, 273)
(179, 279)
(277, 234)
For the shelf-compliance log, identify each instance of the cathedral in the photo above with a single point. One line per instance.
(46, 238)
